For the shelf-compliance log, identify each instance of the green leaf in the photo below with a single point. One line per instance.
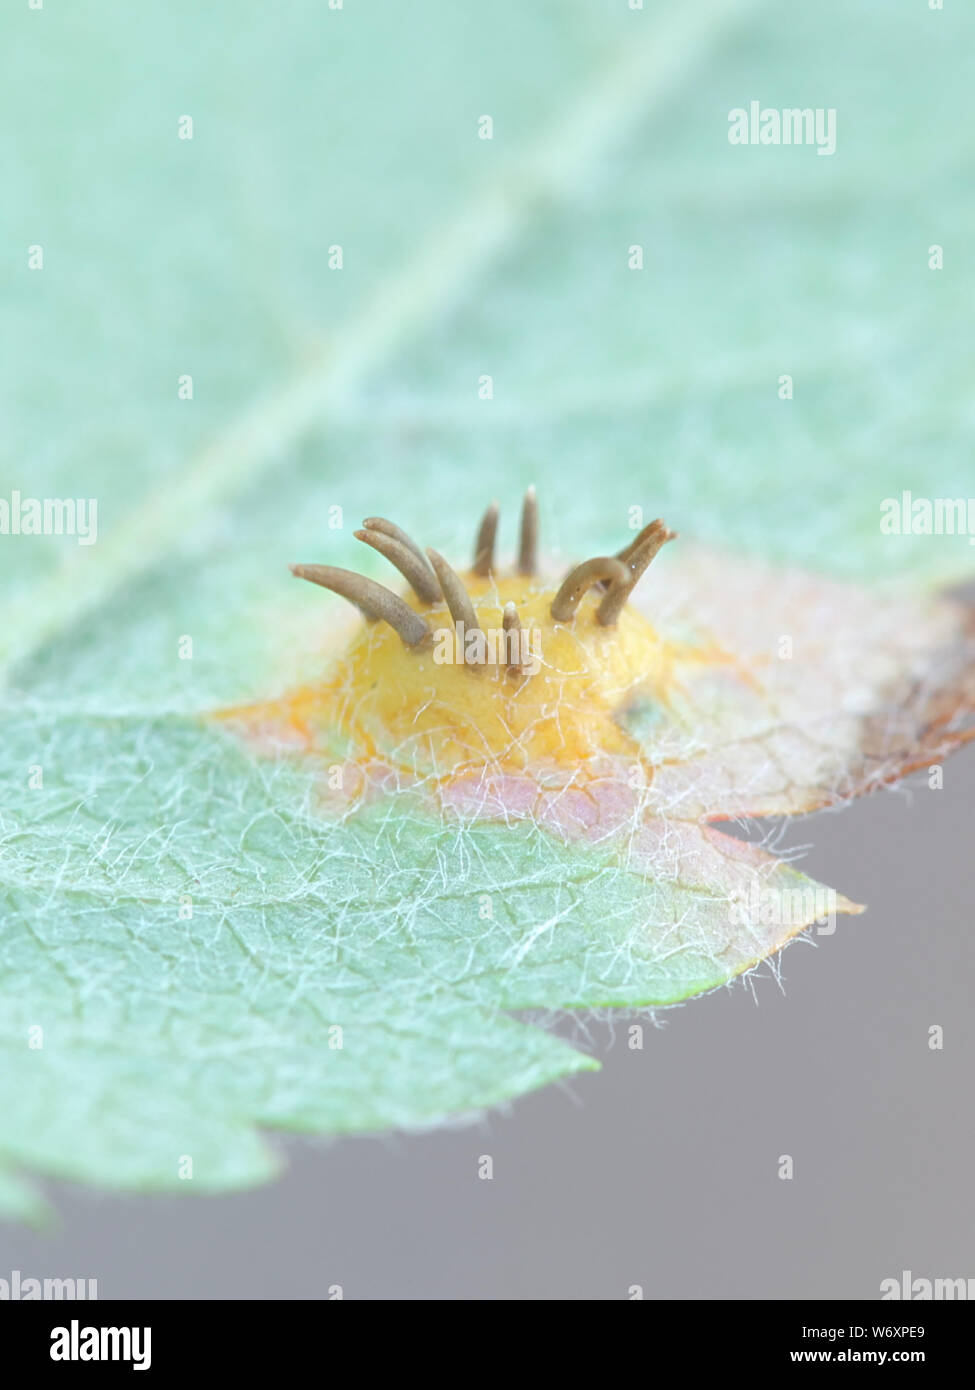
(167, 1036)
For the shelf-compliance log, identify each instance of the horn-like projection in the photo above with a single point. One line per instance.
(636, 556)
(375, 601)
(583, 577)
(528, 545)
(412, 567)
(484, 545)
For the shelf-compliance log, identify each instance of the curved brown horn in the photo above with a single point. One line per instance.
(456, 597)
(636, 556)
(375, 601)
(583, 577)
(421, 577)
(389, 528)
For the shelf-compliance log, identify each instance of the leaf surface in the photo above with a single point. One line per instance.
(167, 1035)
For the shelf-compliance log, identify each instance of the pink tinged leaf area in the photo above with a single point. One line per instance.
(847, 689)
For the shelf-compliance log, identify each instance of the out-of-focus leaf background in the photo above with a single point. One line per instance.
(462, 258)
(314, 127)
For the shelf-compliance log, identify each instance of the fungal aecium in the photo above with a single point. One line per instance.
(492, 668)
(503, 689)
(480, 726)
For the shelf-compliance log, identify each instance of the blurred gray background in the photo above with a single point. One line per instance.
(661, 1170)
